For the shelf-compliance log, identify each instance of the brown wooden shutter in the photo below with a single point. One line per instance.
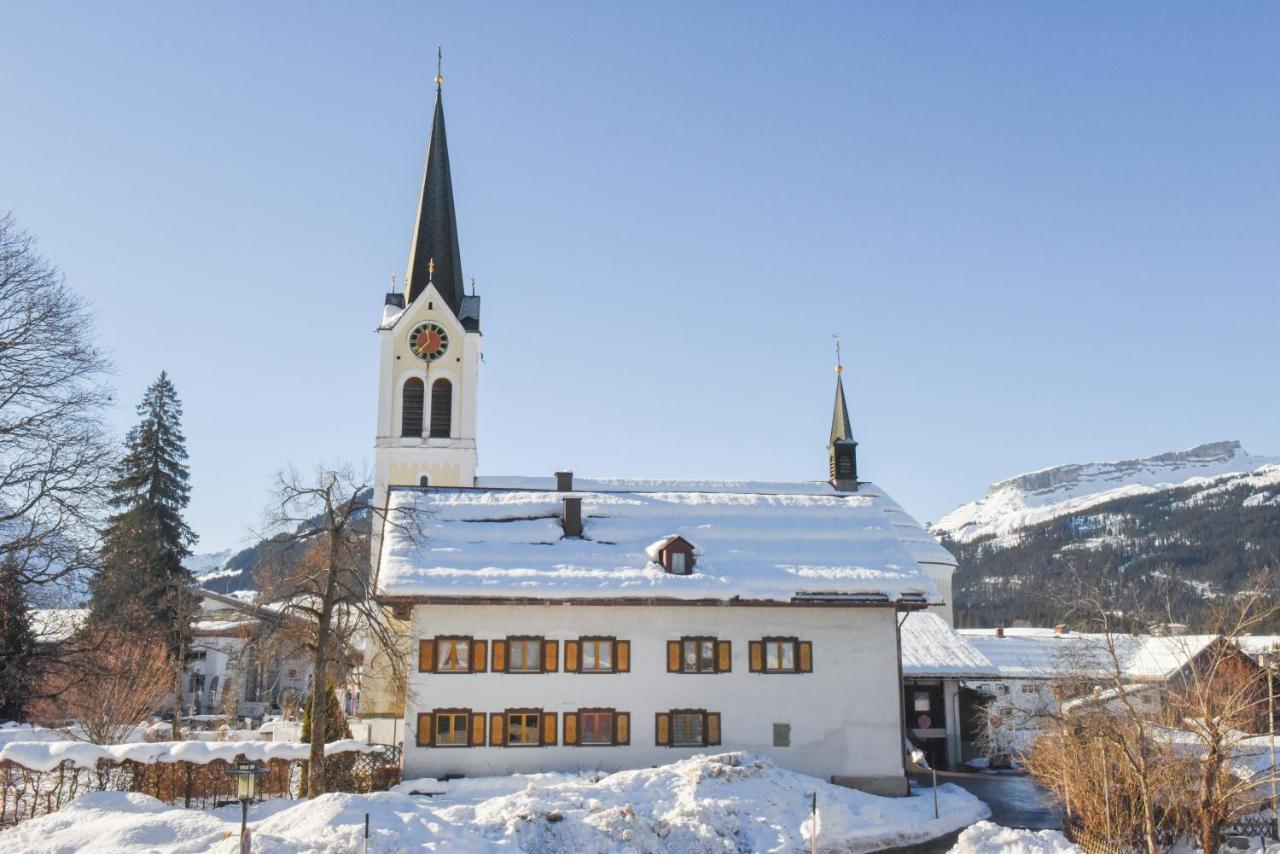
(476, 737)
(426, 656)
(570, 727)
(673, 656)
(622, 656)
(499, 656)
(549, 728)
(724, 657)
(622, 728)
(425, 731)
(713, 727)
(479, 656)
(572, 648)
(662, 729)
(550, 656)
(806, 656)
(757, 656)
(497, 728)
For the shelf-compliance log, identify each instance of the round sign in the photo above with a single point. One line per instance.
(924, 722)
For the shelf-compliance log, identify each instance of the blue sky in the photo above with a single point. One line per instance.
(1047, 232)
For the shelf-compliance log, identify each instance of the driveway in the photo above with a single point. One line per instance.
(1015, 801)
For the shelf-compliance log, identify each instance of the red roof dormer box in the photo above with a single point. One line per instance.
(675, 554)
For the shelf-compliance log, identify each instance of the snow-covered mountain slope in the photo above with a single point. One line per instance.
(1030, 499)
(206, 562)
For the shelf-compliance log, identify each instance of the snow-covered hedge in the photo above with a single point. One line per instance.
(47, 755)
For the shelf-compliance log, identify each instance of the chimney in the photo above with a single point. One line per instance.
(999, 631)
(564, 481)
(571, 517)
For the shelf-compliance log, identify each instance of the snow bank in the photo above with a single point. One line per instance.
(717, 803)
(987, 838)
(45, 756)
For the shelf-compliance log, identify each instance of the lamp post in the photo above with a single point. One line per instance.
(246, 774)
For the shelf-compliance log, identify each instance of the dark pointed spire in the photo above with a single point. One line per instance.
(842, 450)
(841, 429)
(435, 237)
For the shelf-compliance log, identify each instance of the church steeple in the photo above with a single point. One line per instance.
(435, 237)
(842, 450)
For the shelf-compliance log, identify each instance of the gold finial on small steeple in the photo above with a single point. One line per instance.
(431, 270)
(839, 367)
(439, 66)
(473, 284)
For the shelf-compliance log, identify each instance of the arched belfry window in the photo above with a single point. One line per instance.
(441, 408)
(411, 407)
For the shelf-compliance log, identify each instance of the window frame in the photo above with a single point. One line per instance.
(430, 423)
(405, 433)
(612, 715)
(468, 663)
(795, 655)
(601, 640)
(537, 727)
(701, 714)
(539, 664)
(438, 714)
(698, 641)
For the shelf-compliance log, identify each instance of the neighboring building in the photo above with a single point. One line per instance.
(1045, 671)
(942, 712)
(553, 625)
(228, 654)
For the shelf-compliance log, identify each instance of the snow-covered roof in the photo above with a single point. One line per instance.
(1038, 653)
(931, 647)
(758, 541)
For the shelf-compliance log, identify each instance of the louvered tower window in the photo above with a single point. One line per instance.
(441, 408)
(411, 407)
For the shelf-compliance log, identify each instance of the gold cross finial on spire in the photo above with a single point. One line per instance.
(431, 270)
(839, 367)
(439, 66)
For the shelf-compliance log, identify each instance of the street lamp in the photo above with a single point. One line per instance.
(246, 774)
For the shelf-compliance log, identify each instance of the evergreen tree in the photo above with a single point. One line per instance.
(145, 542)
(17, 646)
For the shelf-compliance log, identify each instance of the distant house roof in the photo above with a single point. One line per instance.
(1043, 653)
(931, 647)
(756, 541)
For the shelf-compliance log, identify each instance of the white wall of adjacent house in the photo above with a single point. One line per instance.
(844, 716)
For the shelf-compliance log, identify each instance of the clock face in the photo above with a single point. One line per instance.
(428, 341)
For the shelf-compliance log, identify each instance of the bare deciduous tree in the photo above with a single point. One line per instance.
(123, 679)
(54, 453)
(319, 575)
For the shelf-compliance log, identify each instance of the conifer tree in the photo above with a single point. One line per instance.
(17, 646)
(142, 582)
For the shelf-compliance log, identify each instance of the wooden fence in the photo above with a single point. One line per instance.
(26, 793)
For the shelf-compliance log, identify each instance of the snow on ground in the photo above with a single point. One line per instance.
(987, 838)
(716, 803)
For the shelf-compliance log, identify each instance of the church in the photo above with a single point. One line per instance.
(557, 623)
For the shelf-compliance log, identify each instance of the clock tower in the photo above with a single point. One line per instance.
(429, 340)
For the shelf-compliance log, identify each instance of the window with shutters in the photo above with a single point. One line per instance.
(441, 409)
(411, 397)
(687, 728)
(781, 655)
(524, 728)
(452, 728)
(453, 655)
(699, 655)
(524, 655)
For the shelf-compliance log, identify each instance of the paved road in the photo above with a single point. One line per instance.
(1014, 799)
